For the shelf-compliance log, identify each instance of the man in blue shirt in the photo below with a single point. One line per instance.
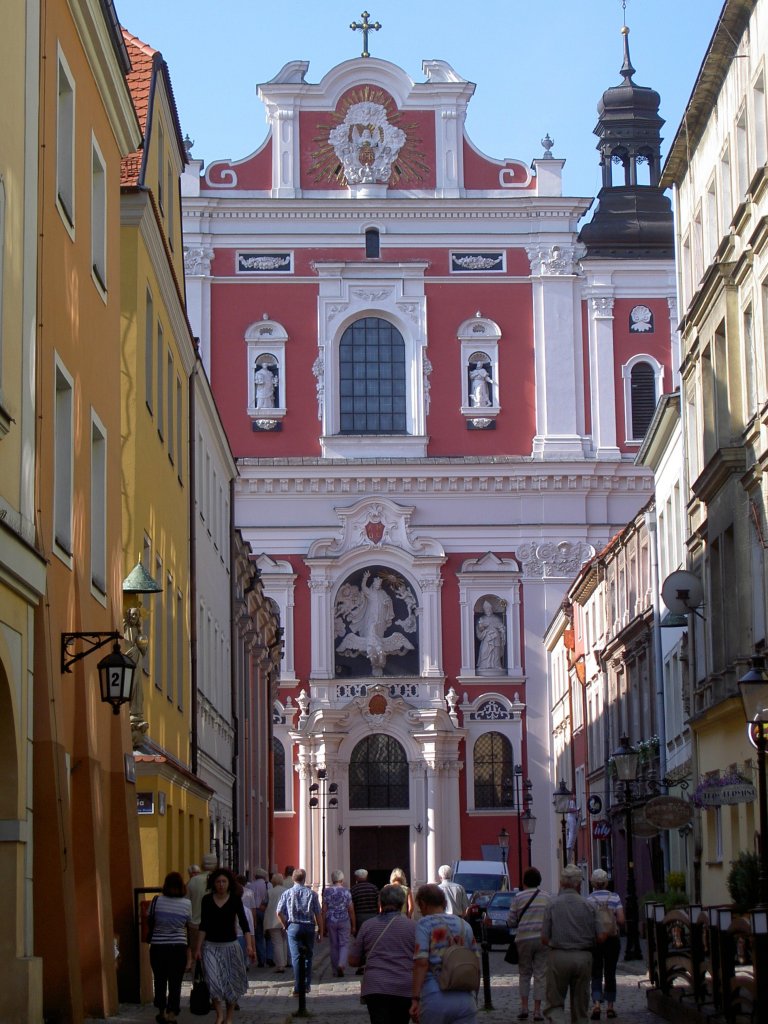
(299, 910)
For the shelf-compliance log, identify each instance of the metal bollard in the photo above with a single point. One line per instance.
(485, 961)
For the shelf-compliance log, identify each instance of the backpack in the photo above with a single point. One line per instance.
(460, 971)
(606, 919)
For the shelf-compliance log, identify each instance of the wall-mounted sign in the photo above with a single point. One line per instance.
(145, 803)
(601, 829)
(130, 768)
(668, 811)
(594, 805)
(730, 793)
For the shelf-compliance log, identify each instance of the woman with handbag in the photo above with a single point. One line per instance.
(217, 944)
(169, 954)
(386, 943)
(525, 916)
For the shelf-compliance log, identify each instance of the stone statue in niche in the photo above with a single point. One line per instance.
(491, 635)
(265, 384)
(365, 617)
(480, 384)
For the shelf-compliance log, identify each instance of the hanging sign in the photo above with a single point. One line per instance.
(601, 829)
(726, 795)
(594, 805)
(668, 812)
(641, 826)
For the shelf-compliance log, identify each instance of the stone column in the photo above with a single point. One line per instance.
(601, 376)
(285, 161)
(559, 370)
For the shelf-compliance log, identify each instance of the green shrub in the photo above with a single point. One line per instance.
(744, 881)
(675, 880)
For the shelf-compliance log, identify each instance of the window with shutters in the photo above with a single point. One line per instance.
(278, 795)
(643, 379)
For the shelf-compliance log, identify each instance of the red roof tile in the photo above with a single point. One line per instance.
(139, 80)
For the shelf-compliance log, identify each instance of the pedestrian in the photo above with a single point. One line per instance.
(386, 943)
(525, 918)
(605, 955)
(365, 898)
(299, 910)
(217, 944)
(249, 906)
(338, 921)
(455, 895)
(259, 888)
(192, 870)
(272, 926)
(570, 929)
(169, 952)
(398, 877)
(436, 931)
(196, 889)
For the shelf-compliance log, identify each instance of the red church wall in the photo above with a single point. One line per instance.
(510, 306)
(483, 172)
(627, 344)
(253, 172)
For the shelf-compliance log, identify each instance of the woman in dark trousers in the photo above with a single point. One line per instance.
(169, 953)
(605, 955)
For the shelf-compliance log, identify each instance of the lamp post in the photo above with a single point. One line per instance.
(324, 796)
(754, 696)
(627, 760)
(503, 839)
(561, 801)
(529, 827)
(519, 808)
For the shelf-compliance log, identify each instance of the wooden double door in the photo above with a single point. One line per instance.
(379, 849)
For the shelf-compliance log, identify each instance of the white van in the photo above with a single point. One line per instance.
(477, 875)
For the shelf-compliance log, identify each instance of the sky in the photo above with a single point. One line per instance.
(540, 66)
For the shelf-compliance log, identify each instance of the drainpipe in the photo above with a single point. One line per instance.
(193, 568)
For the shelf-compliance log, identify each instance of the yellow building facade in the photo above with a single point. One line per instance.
(158, 356)
(85, 829)
(22, 570)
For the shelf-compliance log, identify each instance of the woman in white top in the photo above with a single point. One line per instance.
(272, 926)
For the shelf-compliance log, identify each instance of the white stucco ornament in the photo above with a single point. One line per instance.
(366, 144)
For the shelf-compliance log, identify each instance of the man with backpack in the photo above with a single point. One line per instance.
(446, 964)
(610, 916)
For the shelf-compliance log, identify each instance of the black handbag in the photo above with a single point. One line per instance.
(199, 997)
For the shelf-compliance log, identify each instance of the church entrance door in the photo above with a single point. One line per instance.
(379, 849)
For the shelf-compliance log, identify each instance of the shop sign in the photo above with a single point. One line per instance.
(145, 803)
(642, 828)
(668, 812)
(601, 829)
(727, 794)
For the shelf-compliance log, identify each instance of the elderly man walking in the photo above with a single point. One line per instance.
(456, 901)
(570, 929)
(299, 910)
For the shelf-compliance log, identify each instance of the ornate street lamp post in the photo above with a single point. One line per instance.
(529, 827)
(627, 761)
(754, 696)
(561, 801)
(324, 796)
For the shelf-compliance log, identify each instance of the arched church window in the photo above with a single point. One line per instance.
(643, 397)
(372, 244)
(372, 385)
(266, 382)
(494, 770)
(378, 774)
(278, 789)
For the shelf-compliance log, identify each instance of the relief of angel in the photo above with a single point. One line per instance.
(362, 617)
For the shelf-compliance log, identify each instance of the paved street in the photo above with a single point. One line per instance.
(269, 999)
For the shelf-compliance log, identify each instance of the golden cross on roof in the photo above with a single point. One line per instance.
(365, 26)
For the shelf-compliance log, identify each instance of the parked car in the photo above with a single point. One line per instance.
(476, 911)
(476, 875)
(494, 927)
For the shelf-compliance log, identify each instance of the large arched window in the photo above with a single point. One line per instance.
(494, 769)
(643, 389)
(372, 394)
(378, 774)
(278, 790)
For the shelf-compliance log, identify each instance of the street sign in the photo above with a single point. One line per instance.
(668, 812)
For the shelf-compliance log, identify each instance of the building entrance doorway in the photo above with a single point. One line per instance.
(379, 849)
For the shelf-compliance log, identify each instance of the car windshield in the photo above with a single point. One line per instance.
(472, 882)
(501, 901)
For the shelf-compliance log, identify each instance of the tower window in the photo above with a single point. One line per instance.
(372, 246)
(643, 392)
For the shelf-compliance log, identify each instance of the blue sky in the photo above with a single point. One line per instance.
(540, 65)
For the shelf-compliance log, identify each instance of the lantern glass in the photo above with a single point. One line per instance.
(529, 823)
(759, 922)
(116, 676)
(561, 798)
(754, 692)
(503, 840)
(627, 760)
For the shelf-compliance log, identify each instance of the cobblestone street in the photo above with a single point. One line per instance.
(269, 999)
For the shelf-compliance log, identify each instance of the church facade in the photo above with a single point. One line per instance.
(434, 390)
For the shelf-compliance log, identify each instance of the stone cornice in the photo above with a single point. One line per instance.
(261, 207)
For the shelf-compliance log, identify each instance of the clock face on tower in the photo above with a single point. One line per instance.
(366, 141)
